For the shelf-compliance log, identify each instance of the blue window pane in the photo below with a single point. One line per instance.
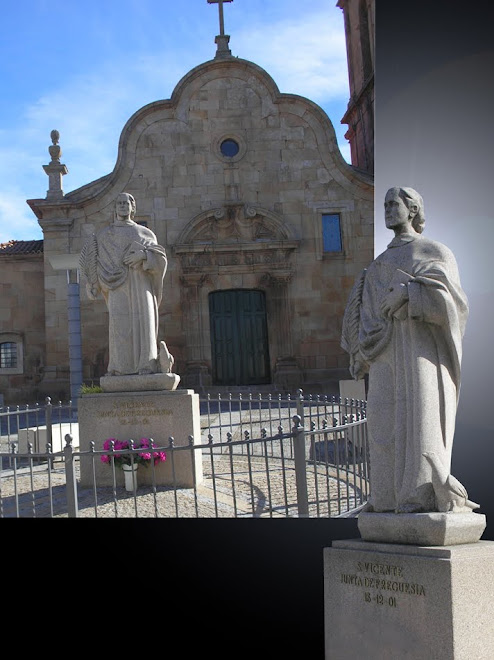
(331, 234)
(229, 148)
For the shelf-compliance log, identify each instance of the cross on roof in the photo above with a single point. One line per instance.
(220, 6)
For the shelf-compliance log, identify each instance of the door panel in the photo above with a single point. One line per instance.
(239, 337)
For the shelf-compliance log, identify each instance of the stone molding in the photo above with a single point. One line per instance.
(235, 238)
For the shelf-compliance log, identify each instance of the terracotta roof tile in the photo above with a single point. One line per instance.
(21, 247)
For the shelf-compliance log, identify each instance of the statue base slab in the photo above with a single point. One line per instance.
(140, 383)
(384, 601)
(425, 529)
(135, 415)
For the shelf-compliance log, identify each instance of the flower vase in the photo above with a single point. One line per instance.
(130, 474)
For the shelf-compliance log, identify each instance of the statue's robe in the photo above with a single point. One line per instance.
(132, 295)
(414, 362)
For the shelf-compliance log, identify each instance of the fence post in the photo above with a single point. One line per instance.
(300, 467)
(49, 435)
(70, 479)
(300, 406)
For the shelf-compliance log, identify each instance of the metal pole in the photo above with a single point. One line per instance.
(300, 405)
(75, 341)
(300, 467)
(49, 436)
(70, 479)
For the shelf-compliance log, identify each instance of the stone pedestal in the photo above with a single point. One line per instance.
(422, 528)
(353, 389)
(395, 602)
(136, 383)
(136, 415)
(222, 51)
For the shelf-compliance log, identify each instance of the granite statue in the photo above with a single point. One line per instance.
(403, 325)
(450, 494)
(124, 263)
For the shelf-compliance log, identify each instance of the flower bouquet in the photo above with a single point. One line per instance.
(144, 456)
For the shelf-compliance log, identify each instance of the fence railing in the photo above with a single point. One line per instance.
(261, 457)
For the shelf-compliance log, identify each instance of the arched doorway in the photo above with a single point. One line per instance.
(239, 337)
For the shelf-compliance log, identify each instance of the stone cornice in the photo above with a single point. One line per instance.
(236, 257)
(207, 248)
(367, 89)
(51, 212)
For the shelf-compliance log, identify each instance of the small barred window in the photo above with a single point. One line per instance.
(8, 355)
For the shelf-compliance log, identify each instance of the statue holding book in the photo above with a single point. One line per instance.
(126, 265)
(404, 325)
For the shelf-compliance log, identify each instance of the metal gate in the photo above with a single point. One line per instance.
(239, 337)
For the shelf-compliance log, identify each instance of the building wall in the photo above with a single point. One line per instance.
(359, 17)
(251, 221)
(22, 320)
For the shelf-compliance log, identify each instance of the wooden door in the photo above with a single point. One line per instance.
(239, 337)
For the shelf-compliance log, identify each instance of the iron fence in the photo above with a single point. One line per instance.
(261, 456)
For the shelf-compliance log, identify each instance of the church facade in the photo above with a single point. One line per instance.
(264, 224)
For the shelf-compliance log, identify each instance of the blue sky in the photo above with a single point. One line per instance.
(84, 68)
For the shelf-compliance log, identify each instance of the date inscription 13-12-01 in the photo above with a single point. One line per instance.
(381, 583)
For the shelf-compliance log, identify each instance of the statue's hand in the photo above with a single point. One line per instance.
(92, 291)
(134, 258)
(396, 298)
(358, 366)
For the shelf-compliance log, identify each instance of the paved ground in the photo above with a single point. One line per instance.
(251, 491)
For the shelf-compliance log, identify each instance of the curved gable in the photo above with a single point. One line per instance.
(166, 139)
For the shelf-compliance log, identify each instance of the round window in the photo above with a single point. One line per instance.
(229, 148)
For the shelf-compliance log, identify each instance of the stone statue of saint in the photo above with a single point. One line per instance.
(125, 263)
(404, 325)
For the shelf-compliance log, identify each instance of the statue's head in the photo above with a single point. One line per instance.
(125, 202)
(414, 203)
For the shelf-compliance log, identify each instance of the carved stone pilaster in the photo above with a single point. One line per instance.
(287, 374)
(197, 372)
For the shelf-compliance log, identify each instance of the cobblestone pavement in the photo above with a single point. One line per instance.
(253, 493)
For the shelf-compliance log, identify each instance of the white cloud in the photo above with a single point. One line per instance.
(299, 59)
(16, 218)
(91, 110)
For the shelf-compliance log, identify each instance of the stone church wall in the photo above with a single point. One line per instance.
(22, 322)
(251, 221)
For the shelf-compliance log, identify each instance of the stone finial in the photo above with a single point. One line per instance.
(55, 149)
(55, 170)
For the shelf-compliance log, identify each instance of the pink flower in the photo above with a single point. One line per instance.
(142, 457)
(159, 456)
(107, 443)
